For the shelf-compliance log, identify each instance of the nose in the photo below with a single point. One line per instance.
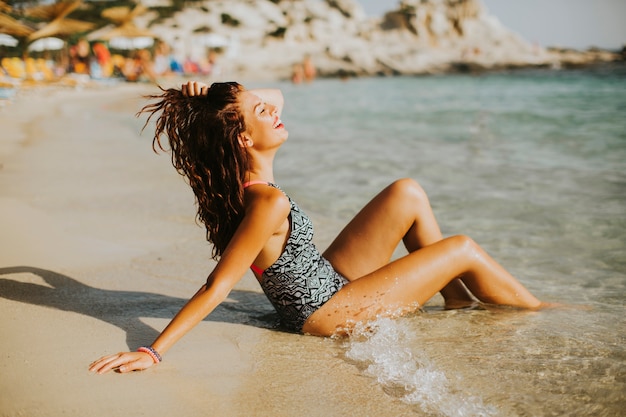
(273, 109)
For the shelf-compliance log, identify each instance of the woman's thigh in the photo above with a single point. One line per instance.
(397, 288)
(370, 239)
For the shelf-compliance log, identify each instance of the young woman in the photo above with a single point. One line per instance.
(223, 138)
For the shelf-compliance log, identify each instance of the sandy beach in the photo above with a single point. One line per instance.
(100, 249)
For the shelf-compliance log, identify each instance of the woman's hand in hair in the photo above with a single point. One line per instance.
(195, 88)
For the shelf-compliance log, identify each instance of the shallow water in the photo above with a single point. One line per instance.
(532, 165)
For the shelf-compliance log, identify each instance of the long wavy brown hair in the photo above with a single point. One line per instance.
(203, 135)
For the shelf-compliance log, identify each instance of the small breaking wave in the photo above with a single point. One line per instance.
(382, 349)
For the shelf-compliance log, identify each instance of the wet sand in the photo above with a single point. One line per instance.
(100, 248)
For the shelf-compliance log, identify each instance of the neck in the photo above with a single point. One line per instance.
(261, 169)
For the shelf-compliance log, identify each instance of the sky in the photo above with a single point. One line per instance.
(578, 24)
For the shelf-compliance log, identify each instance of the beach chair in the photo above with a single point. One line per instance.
(8, 85)
(32, 73)
(14, 67)
(45, 69)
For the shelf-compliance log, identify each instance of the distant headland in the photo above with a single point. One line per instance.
(420, 37)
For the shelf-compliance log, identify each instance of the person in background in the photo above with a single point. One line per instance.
(162, 60)
(216, 69)
(102, 59)
(81, 57)
(310, 72)
(139, 67)
(297, 73)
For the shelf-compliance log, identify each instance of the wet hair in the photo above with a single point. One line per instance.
(203, 135)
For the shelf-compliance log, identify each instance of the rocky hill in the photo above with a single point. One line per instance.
(264, 38)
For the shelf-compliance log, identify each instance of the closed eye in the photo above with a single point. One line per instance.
(259, 108)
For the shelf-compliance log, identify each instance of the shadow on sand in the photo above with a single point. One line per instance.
(125, 309)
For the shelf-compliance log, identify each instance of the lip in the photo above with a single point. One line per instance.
(278, 124)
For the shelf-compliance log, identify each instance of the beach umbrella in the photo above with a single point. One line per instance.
(59, 24)
(125, 31)
(127, 36)
(131, 43)
(123, 15)
(47, 44)
(10, 26)
(124, 34)
(212, 40)
(7, 40)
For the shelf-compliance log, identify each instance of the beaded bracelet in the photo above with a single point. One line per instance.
(150, 351)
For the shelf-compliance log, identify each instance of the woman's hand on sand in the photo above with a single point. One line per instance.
(122, 362)
(195, 88)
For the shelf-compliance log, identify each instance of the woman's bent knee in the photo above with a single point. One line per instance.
(464, 244)
(409, 189)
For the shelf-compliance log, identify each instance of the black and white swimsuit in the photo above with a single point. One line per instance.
(301, 280)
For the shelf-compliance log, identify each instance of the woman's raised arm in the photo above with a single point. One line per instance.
(268, 95)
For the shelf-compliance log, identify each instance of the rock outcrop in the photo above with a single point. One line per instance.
(265, 38)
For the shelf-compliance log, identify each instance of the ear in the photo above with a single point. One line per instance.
(245, 140)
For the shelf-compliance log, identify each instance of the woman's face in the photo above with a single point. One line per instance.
(264, 129)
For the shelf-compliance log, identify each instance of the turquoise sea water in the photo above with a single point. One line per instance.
(532, 165)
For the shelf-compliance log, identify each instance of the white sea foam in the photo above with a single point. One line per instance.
(383, 350)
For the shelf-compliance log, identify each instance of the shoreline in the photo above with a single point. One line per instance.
(70, 83)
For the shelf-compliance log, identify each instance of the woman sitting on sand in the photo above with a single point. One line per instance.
(223, 139)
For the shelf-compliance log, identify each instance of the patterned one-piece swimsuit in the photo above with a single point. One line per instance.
(301, 280)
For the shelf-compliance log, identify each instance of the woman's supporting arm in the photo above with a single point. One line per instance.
(265, 215)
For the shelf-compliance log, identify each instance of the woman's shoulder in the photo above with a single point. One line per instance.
(266, 195)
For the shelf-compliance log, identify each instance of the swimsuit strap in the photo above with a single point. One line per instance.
(249, 183)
